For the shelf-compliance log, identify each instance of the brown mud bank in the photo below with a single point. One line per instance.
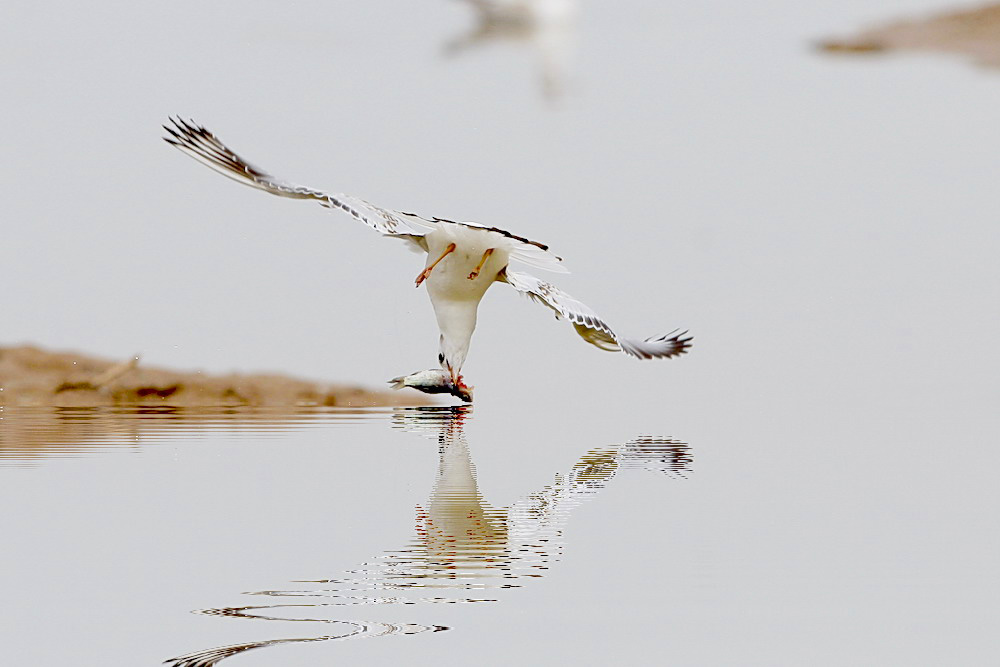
(973, 32)
(30, 376)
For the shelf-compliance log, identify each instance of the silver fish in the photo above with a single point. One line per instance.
(433, 381)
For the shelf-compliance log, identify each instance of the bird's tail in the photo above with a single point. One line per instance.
(397, 383)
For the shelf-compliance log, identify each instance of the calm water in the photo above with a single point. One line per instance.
(288, 503)
(135, 537)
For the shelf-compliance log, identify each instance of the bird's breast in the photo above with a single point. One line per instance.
(450, 278)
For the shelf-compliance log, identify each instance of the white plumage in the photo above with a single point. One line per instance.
(463, 258)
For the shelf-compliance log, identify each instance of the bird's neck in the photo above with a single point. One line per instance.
(456, 320)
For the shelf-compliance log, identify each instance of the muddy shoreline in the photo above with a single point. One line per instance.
(31, 376)
(972, 32)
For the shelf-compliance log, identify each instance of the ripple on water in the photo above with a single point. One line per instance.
(462, 543)
(353, 629)
(463, 549)
(30, 435)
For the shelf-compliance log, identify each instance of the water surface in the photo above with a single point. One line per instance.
(197, 536)
(462, 548)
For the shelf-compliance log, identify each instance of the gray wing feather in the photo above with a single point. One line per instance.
(199, 143)
(590, 326)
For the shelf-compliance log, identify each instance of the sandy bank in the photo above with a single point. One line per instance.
(970, 32)
(30, 376)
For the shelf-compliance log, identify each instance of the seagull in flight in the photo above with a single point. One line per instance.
(464, 259)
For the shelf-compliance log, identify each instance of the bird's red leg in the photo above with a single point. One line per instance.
(479, 267)
(426, 272)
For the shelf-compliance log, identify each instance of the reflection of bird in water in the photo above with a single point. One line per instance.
(463, 547)
(467, 542)
(547, 25)
(464, 259)
(463, 543)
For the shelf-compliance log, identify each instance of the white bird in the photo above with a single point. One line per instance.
(546, 26)
(463, 259)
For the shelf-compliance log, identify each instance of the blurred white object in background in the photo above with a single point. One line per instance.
(549, 26)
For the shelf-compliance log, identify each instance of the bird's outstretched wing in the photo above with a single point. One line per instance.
(591, 327)
(205, 147)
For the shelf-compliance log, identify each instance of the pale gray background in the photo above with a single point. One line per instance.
(705, 169)
(825, 226)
